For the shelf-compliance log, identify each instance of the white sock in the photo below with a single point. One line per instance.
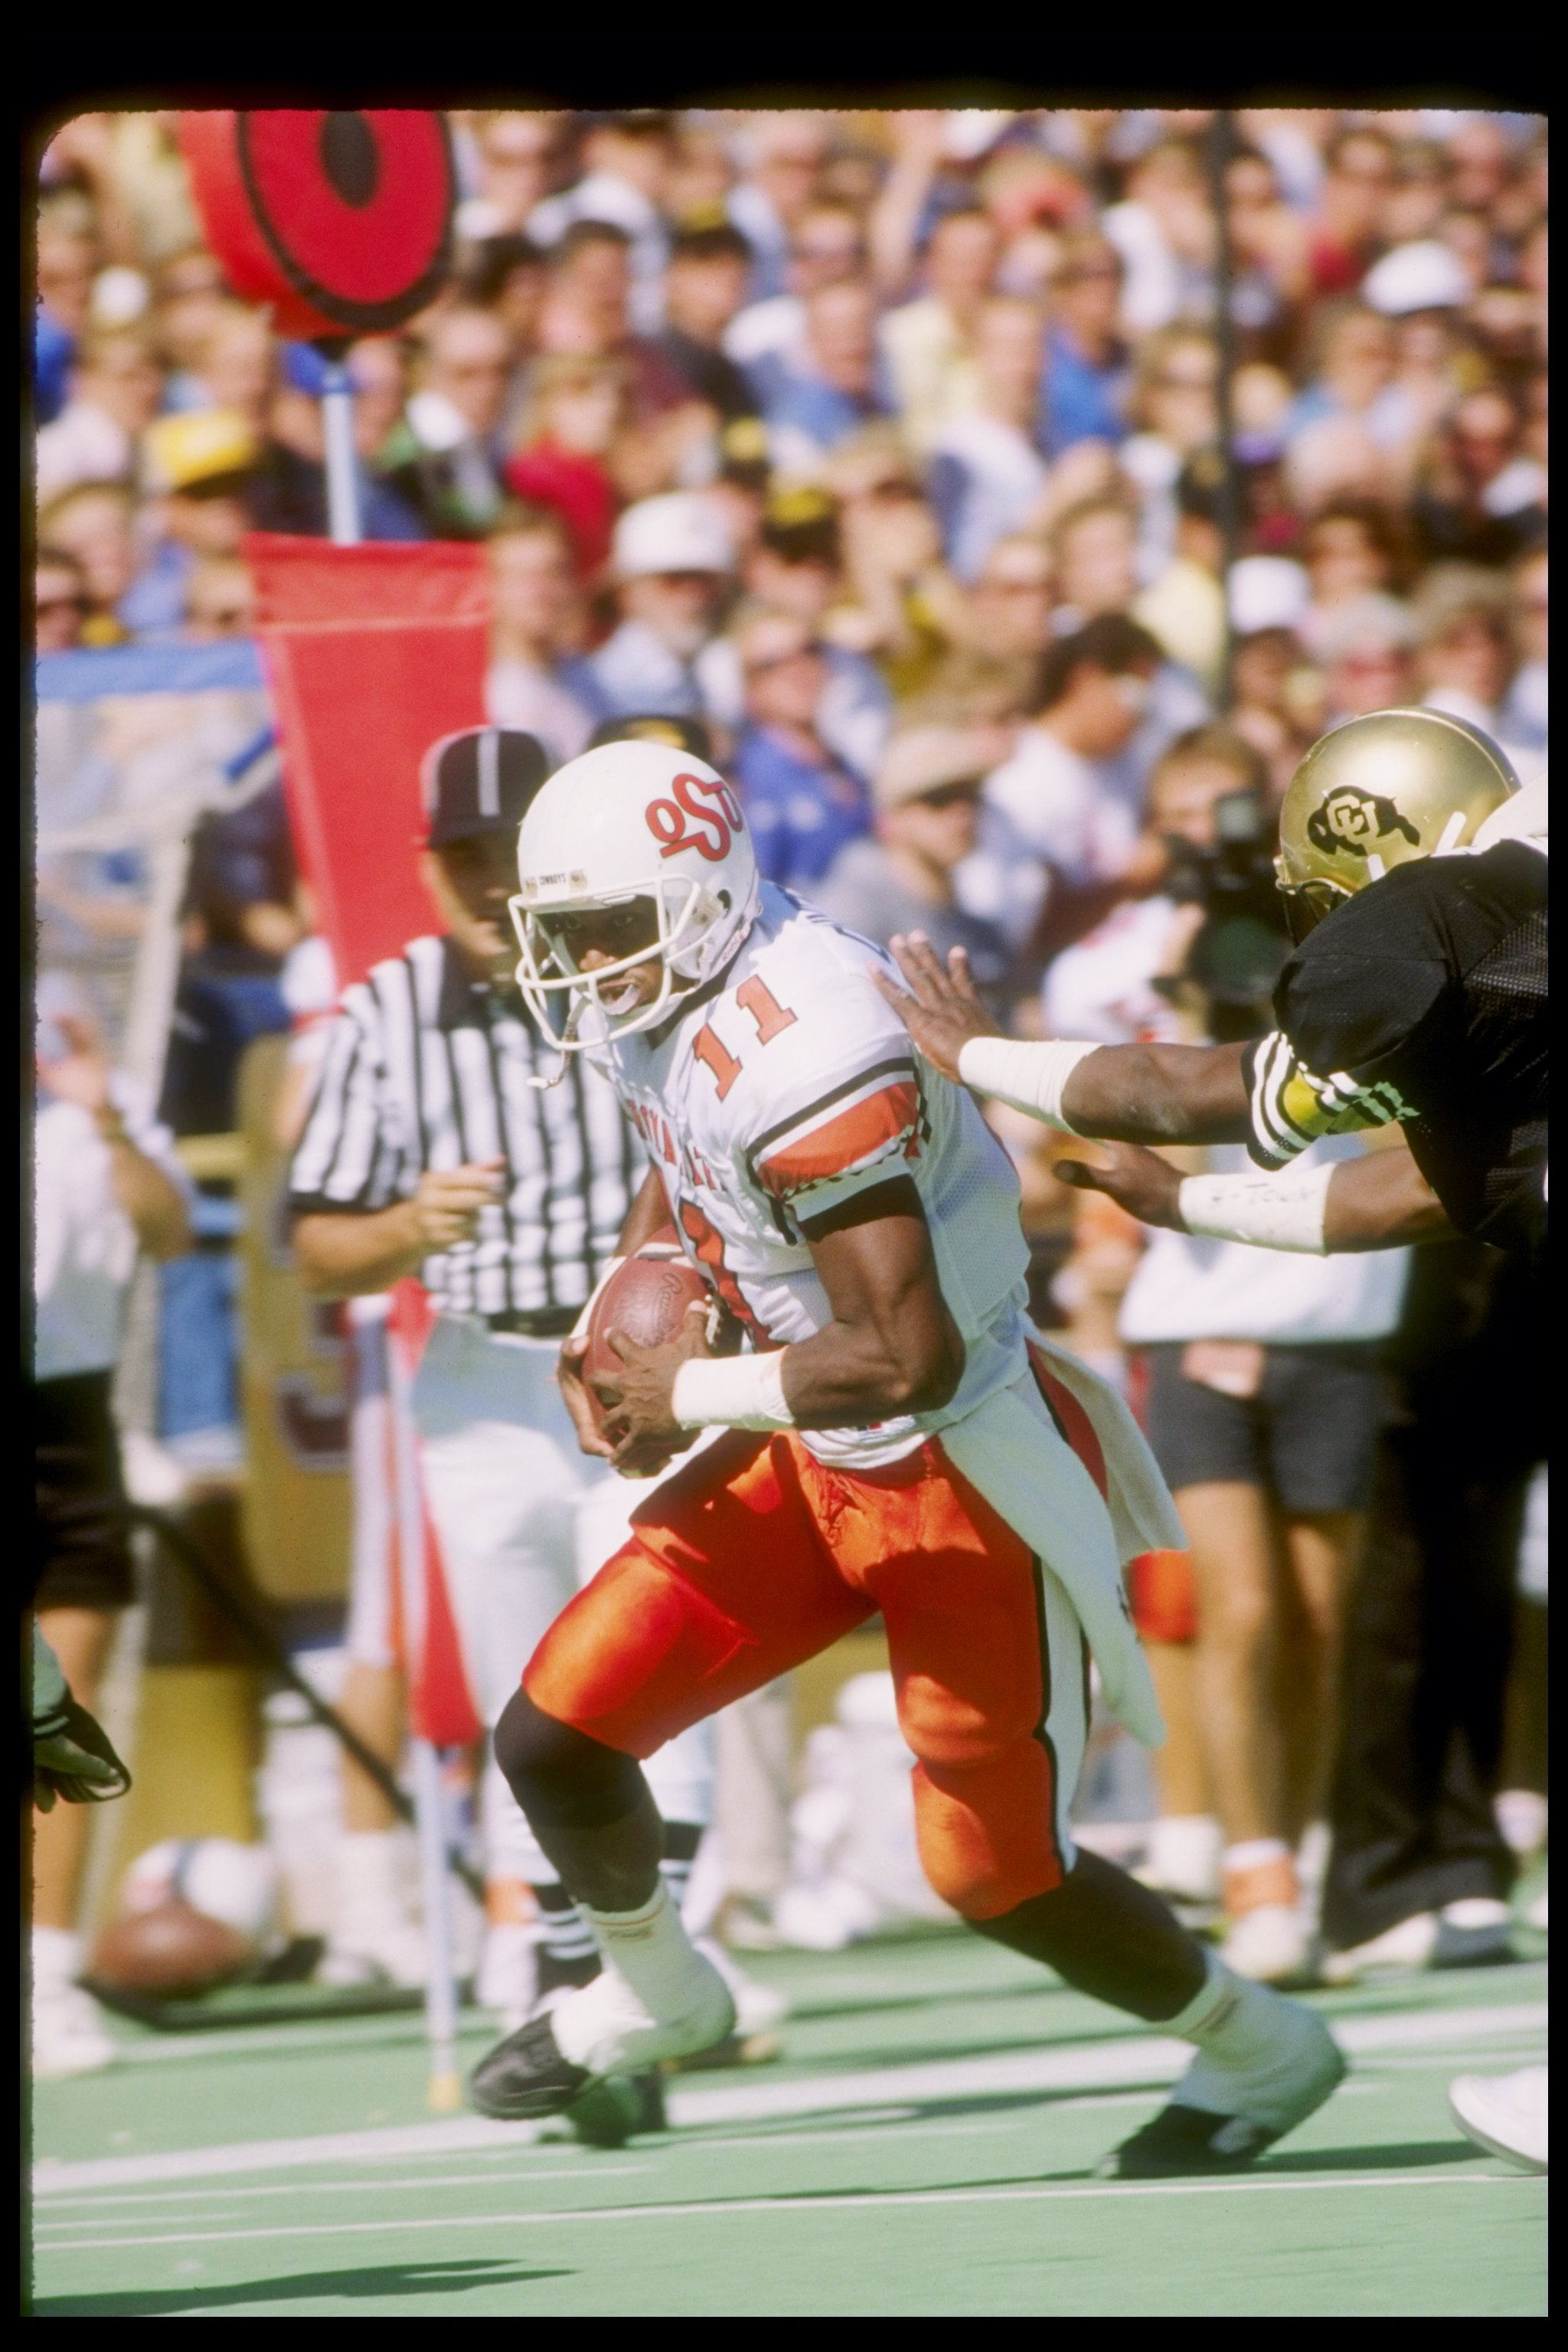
(1259, 2054)
(1252, 1854)
(57, 1958)
(649, 1948)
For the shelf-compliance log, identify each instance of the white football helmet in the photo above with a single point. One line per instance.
(631, 820)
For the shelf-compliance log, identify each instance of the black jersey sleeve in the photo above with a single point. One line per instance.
(1352, 1006)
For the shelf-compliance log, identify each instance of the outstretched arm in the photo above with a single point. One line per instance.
(1138, 1094)
(1378, 1202)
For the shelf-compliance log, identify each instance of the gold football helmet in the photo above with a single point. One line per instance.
(1376, 792)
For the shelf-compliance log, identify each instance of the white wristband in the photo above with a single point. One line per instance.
(734, 1391)
(1030, 1077)
(1281, 1213)
(580, 1328)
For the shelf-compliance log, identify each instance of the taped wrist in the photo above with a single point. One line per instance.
(1280, 1212)
(1029, 1077)
(732, 1393)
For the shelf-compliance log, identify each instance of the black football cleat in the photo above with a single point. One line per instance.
(526, 2076)
(613, 2110)
(1186, 2140)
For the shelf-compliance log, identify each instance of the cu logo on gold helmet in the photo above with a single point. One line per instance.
(1348, 818)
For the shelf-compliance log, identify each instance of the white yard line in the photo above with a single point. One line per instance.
(1115, 2063)
(873, 2200)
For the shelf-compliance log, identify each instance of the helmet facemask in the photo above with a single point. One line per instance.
(577, 1009)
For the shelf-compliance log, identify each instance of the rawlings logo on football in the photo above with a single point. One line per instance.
(714, 814)
(1348, 818)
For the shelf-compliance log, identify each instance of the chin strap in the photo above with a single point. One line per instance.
(563, 1049)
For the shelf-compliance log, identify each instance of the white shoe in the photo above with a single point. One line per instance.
(1181, 1858)
(827, 1916)
(1408, 1945)
(1272, 1944)
(69, 2036)
(1504, 2114)
(1474, 1933)
(605, 2028)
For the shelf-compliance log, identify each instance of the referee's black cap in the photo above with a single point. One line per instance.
(480, 781)
(655, 726)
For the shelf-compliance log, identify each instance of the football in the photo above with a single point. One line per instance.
(168, 1951)
(646, 1300)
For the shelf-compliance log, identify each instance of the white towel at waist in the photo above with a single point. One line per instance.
(1010, 1448)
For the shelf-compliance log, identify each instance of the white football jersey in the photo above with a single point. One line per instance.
(789, 1088)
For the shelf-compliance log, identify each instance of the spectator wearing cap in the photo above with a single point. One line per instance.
(1083, 396)
(627, 165)
(926, 795)
(704, 288)
(506, 1198)
(801, 803)
(819, 398)
(674, 564)
(1055, 814)
(796, 568)
(442, 457)
(987, 478)
(928, 345)
(200, 468)
(534, 606)
(114, 387)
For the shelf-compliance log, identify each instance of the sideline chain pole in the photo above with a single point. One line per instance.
(443, 2091)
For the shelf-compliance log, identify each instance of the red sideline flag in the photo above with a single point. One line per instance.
(441, 1706)
(373, 653)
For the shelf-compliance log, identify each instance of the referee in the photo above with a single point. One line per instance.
(429, 1151)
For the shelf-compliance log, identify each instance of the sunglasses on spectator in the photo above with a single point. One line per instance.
(809, 651)
(966, 789)
(1184, 382)
(71, 604)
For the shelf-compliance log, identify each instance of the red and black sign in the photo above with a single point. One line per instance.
(340, 221)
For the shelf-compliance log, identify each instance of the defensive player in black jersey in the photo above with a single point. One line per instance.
(1414, 872)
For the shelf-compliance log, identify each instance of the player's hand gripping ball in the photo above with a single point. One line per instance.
(652, 1313)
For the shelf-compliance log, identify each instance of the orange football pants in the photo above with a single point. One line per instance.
(756, 1555)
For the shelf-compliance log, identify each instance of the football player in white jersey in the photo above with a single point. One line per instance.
(894, 1439)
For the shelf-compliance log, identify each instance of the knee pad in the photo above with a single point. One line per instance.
(560, 1777)
(987, 1832)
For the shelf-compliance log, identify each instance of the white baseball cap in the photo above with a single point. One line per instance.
(1425, 276)
(679, 531)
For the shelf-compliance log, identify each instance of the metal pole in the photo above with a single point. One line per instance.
(1221, 148)
(342, 470)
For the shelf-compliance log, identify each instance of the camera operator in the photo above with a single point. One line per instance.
(1262, 1383)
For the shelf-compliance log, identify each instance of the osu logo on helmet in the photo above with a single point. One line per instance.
(1348, 818)
(704, 816)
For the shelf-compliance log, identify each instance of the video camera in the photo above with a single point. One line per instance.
(1243, 943)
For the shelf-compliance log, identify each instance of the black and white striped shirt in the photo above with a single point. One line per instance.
(425, 1070)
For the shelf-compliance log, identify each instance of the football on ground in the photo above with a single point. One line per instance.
(646, 1301)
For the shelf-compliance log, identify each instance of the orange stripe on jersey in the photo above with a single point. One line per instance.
(845, 1142)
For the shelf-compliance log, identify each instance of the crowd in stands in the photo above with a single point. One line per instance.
(887, 446)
